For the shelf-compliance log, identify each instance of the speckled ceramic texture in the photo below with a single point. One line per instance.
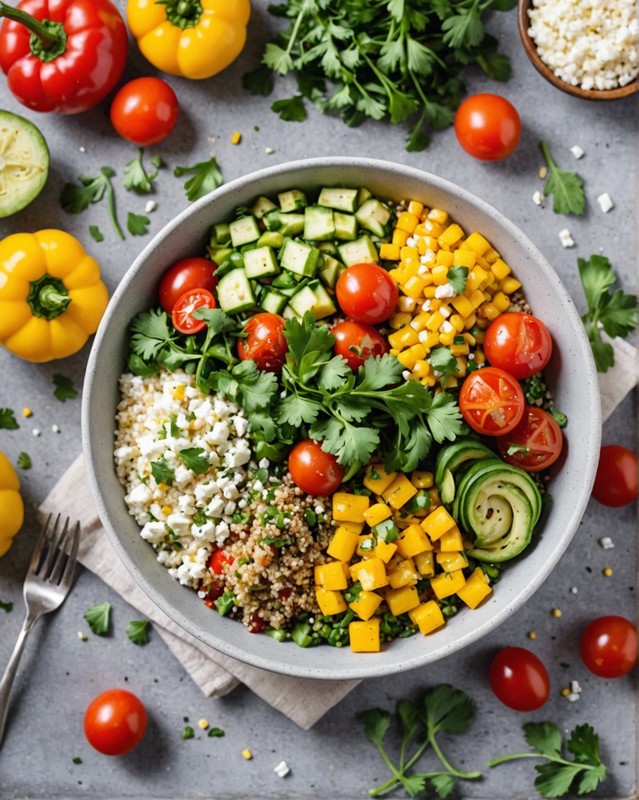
(571, 374)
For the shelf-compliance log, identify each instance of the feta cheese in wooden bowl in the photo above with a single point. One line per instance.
(206, 522)
(586, 48)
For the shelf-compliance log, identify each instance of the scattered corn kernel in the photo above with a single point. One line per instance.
(532, 635)
(247, 754)
(236, 137)
(26, 412)
(203, 724)
(556, 612)
(607, 571)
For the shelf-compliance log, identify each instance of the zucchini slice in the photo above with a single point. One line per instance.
(24, 163)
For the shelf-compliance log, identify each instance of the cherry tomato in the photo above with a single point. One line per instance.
(144, 111)
(265, 342)
(609, 646)
(519, 679)
(487, 126)
(313, 470)
(616, 478)
(218, 560)
(182, 315)
(491, 401)
(356, 342)
(366, 293)
(535, 443)
(115, 722)
(519, 343)
(188, 273)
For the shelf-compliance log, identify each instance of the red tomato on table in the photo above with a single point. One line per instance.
(518, 343)
(356, 342)
(491, 401)
(534, 444)
(144, 111)
(115, 722)
(265, 342)
(313, 470)
(487, 126)
(366, 293)
(519, 679)
(608, 646)
(183, 311)
(616, 479)
(186, 274)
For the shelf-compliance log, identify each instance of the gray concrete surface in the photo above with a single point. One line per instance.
(60, 674)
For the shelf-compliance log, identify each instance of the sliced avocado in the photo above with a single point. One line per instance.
(24, 163)
(450, 458)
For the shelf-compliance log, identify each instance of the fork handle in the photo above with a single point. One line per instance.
(12, 667)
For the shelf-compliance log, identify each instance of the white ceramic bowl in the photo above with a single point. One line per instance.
(571, 373)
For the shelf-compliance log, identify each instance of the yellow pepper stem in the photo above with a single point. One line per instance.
(48, 297)
(183, 13)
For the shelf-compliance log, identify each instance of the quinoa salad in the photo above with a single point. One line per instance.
(329, 427)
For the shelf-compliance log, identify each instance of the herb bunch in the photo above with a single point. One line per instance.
(397, 61)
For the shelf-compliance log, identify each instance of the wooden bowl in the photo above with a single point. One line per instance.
(587, 94)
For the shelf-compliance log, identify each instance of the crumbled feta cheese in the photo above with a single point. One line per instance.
(605, 202)
(406, 374)
(55, 428)
(446, 290)
(606, 542)
(411, 241)
(282, 769)
(565, 238)
(538, 198)
(446, 327)
(577, 151)
(36, 432)
(150, 206)
(269, 151)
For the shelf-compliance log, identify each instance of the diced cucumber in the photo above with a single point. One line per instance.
(286, 224)
(362, 195)
(273, 301)
(261, 206)
(360, 251)
(313, 298)
(218, 254)
(318, 223)
(290, 313)
(338, 198)
(244, 230)
(286, 280)
(261, 262)
(327, 247)
(324, 305)
(270, 238)
(330, 271)
(292, 200)
(373, 216)
(345, 226)
(222, 233)
(299, 257)
(234, 292)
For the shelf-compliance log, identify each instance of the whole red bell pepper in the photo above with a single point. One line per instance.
(62, 55)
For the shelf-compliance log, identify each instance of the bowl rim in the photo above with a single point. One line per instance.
(618, 93)
(369, 667)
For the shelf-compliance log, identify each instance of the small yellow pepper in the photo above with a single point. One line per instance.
(11, 505)
(190, 38)
(51, 295)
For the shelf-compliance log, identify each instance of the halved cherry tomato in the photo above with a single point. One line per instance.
(313, 470)
(115, 722)
(366, 293)
(535, 443)
(182, 316)
(265, 342)
(608, 646)
(356, 342)
(487, 126)
(519, 679)
(491, 401)
(188, 273)
(616, 478)
(519, 343)
(144, 111)
(218, 560)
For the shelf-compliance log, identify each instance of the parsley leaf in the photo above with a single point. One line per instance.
(137, 224)
(137, 631)
(136, 178)
(96, 233)
(457, 277)
(64, 389)
(99, 617)
(218, 732)
(206, 178)
(6, 606)
(162, 472)
(151, 333)
(290, 110)
(188, 732)
(567, 188)
(194, 460)
(442, 361)
(8, 420)
(77, 198)
(258, 81)
(24, 461)
(614, 312)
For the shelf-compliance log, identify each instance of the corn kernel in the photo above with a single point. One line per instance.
(463, 306)
(416, 208)
(236, 137)
(476, 279)
(475, 241)
(500, 269)
(445, 257)
(414, 286)
(509, 285)
(459, 349)
(476, 299)
(435, 321)
(389, 252)
(166, 510)
(399, 237)
(178, 392)
(421, 479)
(407, 221)
(27, 412)
(425, 563)
(421, 369)
(440, 274)
(489, 311)
(501, 301)
(450, 236)
(438, 215)
(433, 228)
(407, 253)
(607, 572)
(464, 258)
(406, 359)
(246, 753)
(457, 321)
(418, 351)
(446, 338)
(203, 724)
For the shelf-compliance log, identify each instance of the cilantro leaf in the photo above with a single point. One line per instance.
(151, 333)
(98, 618)
(444, 783)
(348, 443)
(457, 277)
(297, 410)
(277, 59)
(442, 361)
(206, 178)
(137, 224)
(257, 388)
(567, 188)
(464, 29)
(378, 372)
(8, 420)
(137, 631)
(334, 374)
(555, 780)
(305, 336)
(544, 737)
(215, 732)
(24, 461)
(188, 732)
(64, 389)
(162, 472)
(194, 460)
(77, 198)
(444, 417)
(291, 109)
(376, 723)
(447, 709)
(96, 233)
(258, 81)
(6, 606)
(136, 178)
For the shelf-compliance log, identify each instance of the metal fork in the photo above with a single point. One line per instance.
(47, 584)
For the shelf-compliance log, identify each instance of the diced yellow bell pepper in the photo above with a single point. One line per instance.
(421, 479)
(377, 513)
(403, 573)
(428, 617)
(353, 527)
(401, 600)
(377, 480)
(371, 573)
(437, 523)
(343, 544)
(450, 560)
(349, 507)
(475, 589)
(389, 252)
(412, 541)
(446, 583)
(330, 602)
(425, 563)
(385, 550)
(332, 575)
(399, 492)
(366, 604)
(451, 540)
(364, 636)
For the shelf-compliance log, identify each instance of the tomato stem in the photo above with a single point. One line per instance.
(48, 39)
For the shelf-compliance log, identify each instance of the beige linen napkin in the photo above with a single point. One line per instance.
(302, 700)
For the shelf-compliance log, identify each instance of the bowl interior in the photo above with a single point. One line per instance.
(572, 376)
(576, 91)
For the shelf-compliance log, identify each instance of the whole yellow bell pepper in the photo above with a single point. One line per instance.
(51, 295)
(11, 505)
(190, 38)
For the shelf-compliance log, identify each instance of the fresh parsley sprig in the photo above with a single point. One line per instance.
(8, 420)
(566, 188)
(559, 775)
(614, 312)
(206, 177)
(136, 178)
(77, 198)
(99, 618)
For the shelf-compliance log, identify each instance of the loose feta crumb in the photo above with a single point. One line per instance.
(565, 238)
(36, 432)
(573, 590)
(150, 206)
(269, 150)
(282, 769)
(538, 198)
(82, 149)
(446, 327)
(82, 636)
(55, 429)
(406, 374)
(606, 542)
(577, 151)
(572, 697)
(605, 202)
(447, 290)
